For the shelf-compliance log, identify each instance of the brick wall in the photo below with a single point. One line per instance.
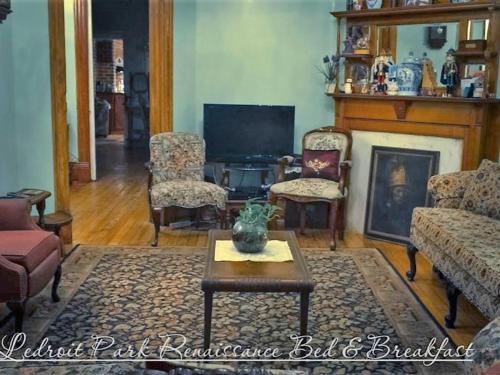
(106, 53)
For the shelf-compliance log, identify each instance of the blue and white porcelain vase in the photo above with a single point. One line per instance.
(409, 76)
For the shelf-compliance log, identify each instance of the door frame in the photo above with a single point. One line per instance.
(60, 140)
(160, 78)
(161, 89)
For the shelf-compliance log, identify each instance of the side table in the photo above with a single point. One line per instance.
(36, 197)
(55, 221)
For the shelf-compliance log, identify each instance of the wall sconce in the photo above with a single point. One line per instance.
(4, 9)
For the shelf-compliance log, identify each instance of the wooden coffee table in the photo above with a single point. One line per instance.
(259, 277)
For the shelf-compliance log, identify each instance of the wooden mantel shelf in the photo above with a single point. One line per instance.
(417, 98)
(475, 121)
(401, 12)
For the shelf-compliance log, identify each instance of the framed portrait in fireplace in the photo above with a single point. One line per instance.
(397, 184)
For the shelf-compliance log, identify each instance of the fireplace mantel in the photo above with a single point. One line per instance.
(474, 121)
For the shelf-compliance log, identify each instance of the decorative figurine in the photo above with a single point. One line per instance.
(348, 45)
(362, 46)
(380, 71)
(409, 76)
(429, 82)
(392, 88)
(450, 75)
(348, 86)
(358, 4)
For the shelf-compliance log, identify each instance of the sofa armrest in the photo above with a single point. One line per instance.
(15, 215)
(13, 281)
(486, 355)
(448, 189)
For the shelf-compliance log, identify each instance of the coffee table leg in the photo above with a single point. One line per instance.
(304, 312)
(208, 319)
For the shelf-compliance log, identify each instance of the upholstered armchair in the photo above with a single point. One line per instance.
(29, 258)
(324, 172)
(176, 177)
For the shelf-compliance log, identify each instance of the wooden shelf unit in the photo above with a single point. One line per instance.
(418, 98)
(420, 14)
(357, 56)
(474, 121)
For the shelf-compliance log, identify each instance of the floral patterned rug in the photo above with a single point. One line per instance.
(133, 294)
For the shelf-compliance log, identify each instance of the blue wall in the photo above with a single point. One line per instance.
(28, 128)
(252, 52)
(8, 157)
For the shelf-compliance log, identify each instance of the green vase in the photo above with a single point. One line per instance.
(249, 237)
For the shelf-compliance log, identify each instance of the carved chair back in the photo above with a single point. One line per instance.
(329, 138)
(177, 156)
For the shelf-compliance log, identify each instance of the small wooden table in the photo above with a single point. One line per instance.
(37, 198)
(263, 277)
(55, 221)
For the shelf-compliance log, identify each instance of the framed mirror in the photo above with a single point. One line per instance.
(477, 29)
(430, 40)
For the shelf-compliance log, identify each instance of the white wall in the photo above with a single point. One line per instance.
(449, 161)
(69, 34)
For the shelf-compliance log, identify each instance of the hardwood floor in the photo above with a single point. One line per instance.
(114, 211)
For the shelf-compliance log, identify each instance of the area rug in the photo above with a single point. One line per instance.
(133, 294)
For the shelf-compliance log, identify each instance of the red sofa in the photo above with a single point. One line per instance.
(29, 258)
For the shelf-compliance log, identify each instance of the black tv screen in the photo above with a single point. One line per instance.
(239, 133)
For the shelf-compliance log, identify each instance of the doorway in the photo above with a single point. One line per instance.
(120, 59)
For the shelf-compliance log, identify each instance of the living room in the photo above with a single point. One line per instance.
(319, 170)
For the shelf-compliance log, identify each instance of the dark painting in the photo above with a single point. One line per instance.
(398, 184)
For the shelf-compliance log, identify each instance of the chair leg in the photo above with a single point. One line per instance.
(302, 213)
(222, 218)
(55, 285)
(156, 221)
(411, 251)
(333, 224)
(17, 309)
(342, 221)
(280, 221)
(452, 293)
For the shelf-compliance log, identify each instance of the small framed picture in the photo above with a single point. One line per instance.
(413, 3)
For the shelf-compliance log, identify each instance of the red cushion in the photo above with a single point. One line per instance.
(321, 164)
(28, 248)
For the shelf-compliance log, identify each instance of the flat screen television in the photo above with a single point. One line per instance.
(248, 133)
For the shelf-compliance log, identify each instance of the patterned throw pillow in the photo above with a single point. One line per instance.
(482, 196)
(321, 164)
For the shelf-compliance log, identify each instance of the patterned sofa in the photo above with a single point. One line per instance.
(461, 237)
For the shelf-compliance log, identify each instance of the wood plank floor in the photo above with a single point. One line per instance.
(114, 211)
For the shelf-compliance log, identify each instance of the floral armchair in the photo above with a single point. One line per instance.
(176, 177)
(324, 171)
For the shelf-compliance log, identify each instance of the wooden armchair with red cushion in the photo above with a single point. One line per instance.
(324, 174)
(29, 258)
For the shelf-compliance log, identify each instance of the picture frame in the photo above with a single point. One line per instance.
(397, 184)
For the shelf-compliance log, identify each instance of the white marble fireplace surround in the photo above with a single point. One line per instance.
(450, 160)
